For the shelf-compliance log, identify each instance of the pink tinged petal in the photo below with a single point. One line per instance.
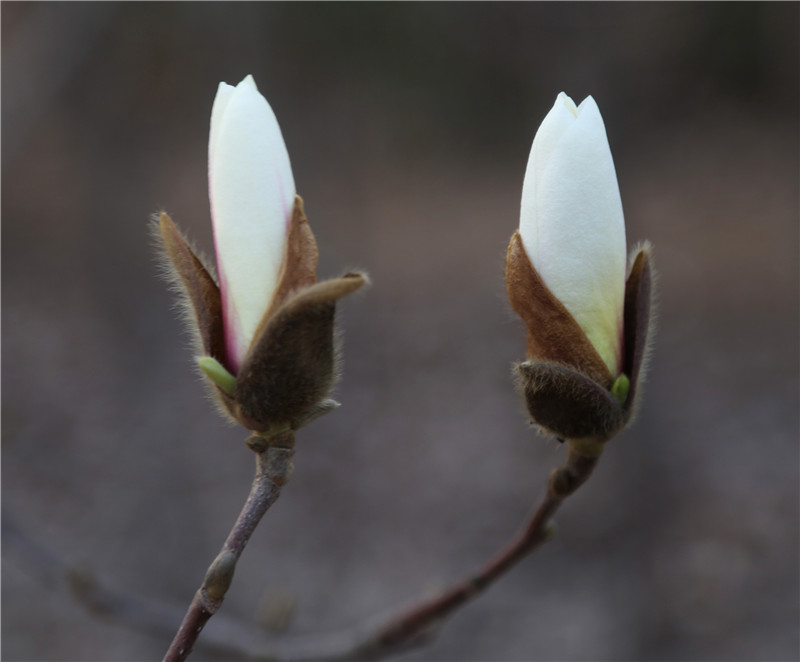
(572, 225)
(252, 192)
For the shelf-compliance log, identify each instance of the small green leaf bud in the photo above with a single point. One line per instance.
(620, 389)
(217, 373)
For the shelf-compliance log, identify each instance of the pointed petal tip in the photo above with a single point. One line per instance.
(589, 109)
(567, 102)
(248, 80)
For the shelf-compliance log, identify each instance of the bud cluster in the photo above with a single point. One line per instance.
(265, 327)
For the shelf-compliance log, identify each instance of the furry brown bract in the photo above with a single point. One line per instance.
(291, 365)
(566, 385)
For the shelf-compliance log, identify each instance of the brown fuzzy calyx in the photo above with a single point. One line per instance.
(568, 403)
(291, 365)
(566, 385)
(638, 322)
(299, 268)
(200, 288)
(553, 334)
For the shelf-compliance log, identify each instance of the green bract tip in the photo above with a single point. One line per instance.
(620, 388)
(218, 374)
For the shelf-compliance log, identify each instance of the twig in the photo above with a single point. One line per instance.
(105, 602)
(409, 628)
(273, 468)
(420, 623)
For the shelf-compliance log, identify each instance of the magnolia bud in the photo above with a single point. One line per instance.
(251, 190)
(587, 326)
(265, 331)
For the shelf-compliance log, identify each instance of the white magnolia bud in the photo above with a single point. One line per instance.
(252, 194)
(571, 222)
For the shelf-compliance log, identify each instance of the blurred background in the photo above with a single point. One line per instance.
(409, 127)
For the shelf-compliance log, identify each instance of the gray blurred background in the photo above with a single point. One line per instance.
(409, 127)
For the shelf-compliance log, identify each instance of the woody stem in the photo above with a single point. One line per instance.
(415, 625)
(273, 468)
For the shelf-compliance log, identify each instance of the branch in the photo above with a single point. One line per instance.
(421, 622)
(273, 468)
(409, 628)
(224, 638)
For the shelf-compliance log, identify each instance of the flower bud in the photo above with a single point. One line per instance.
(265, 331)
(587, 326)
(251, 190)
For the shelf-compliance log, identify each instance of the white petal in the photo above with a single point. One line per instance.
(252, 194)
(574, 232)
(560, 117)
(224, 93)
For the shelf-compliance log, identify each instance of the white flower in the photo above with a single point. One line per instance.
(252, 194)
(571, 222)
